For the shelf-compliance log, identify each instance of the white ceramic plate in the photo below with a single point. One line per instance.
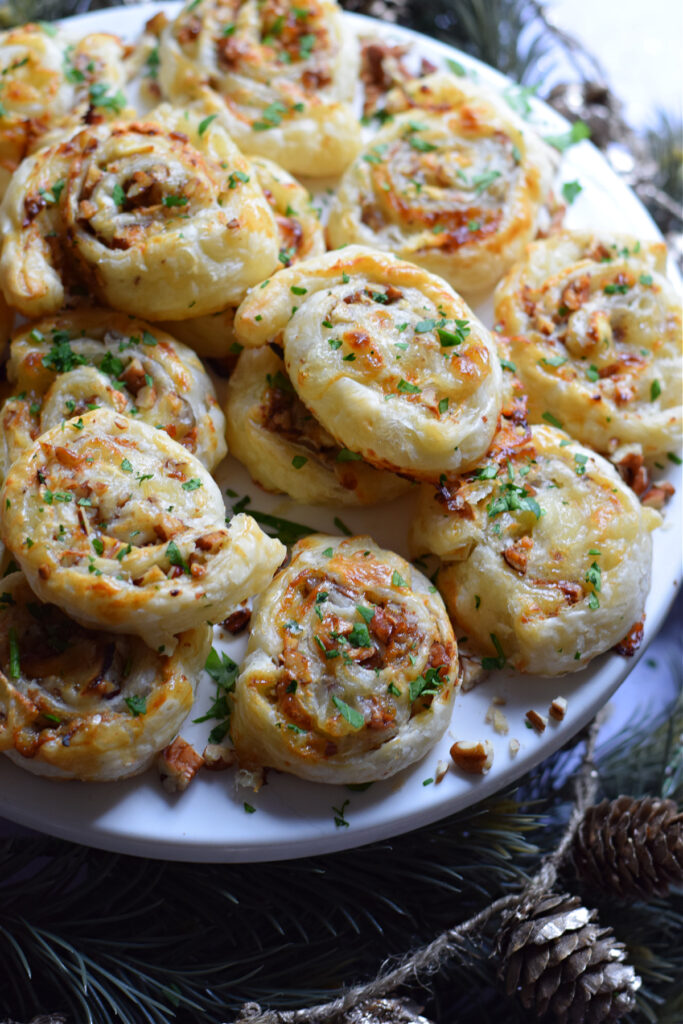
(292, 818)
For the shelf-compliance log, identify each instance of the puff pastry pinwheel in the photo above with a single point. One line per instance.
(158, 218)
(67, 365)
(454, 182)
(300, 236)
(596, 336)
(49, 84)
(351, 668)
(284, 447)
(546, 554)
(87, 704)
(121, 527)
(285, 72)
(386, 356)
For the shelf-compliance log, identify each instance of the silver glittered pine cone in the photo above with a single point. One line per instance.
(386, 1011)
(631, 848)
(385, 10)
(563, 966)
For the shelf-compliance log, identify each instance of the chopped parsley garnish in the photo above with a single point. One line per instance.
(118, 195)
(489, 664)
(553, 361)
(592, 373)
(570, 190)
(61, 358)
(353, 717)
(552, 420)
(393, 689)
(345, 455)
(192, 484)
(455, 67)
(615, 289)
(236, 176)
(580, 461)
(578, 131)
(450, 338)
(593, 601)
(425, 685)
(645, 279)
(271, 117)
(397, 580)
(341, 525)
(443, 406)
(148, 339)
(248, 809)
(137, 705)
(328, 552)
(594, 576)
(655, 390)
(14, 664)
(99, 97)
(175, 200)
(203, 125)
(175, 557)
(334, 343)
(406, 388)
(339, 819)
(359, 635)
(52, 194)
(513, 498)
(298, 461)
(421, 145)
(489, 472)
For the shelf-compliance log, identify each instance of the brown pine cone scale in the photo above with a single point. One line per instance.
(631, 848)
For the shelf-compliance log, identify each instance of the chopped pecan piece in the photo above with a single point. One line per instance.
(178, 764)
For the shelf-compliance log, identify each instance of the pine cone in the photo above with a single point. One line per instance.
(563, 964)
(632, 848)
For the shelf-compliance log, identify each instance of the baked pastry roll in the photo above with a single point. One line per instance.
(64, 366)
(284, 447)
(386, 356)
(87, 704)
(454, 182)
(546, 553)
(159, 218)
(285, 72)
(351, 668)
(300, 236)
(121, 527)
(49, 83)
(596, 336)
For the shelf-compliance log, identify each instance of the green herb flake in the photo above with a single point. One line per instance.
(443, 406)
(655, 390)
(173, 554)
(248, 809)
(118, 195)
(345, 455)
(203, 125)
(578, 131)
(14, 663)
(192, 484)
(552, 420)
(406, 388)
(580, 461)
(570, 190)
(353, 717)
(490, 664)
(397, 580)
(298, 461)
(137, 705)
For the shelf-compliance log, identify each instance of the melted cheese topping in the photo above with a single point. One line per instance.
(87, 704)
(130, 206)
(284, 447)
(123, 528)
(454, 182)
(388, 358)
(545, 549)
(351, 668)
(596, 334)
(286, 74)
(66, 366)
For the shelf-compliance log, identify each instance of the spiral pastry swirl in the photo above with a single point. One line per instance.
(87, 704)
(65, 366)
(300, 236)
(123, 208)
(387, 357)
(454, 182)
(546, 553)
(49, 84)
(284, 447)
(595, 332)
(285, 72)
(124, 529)
(351, 669)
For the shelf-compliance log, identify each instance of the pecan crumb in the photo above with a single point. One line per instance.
(440, 773)
(473, 756)
(558, 709)
(237, 621)
(514, 748)
(537, 721)
(178, 764)
(496, 718)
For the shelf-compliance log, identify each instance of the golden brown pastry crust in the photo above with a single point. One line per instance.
(387, 357)
(123, 528)
(454, 182)
(284, 447)
(87, 704)
(50, 84)
(285, 74)
(596, 335)
(144, 214)
(546, 553)
(64, 366)
(351, 669)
